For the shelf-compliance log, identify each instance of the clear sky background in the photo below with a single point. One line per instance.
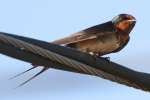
(52, 19)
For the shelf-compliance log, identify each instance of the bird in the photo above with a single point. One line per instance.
(102, 39)
(109, 37)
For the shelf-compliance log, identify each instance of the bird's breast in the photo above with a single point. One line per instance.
(99, 45)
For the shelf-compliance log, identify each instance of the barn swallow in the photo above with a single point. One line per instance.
(102, 39)
(99, 40)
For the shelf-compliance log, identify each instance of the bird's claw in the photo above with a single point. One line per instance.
(107, 58)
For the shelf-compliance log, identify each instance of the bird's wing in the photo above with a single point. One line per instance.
(89, 33)
(74, 38)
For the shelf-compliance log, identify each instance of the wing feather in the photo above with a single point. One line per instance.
(77, 37)
(89, 33)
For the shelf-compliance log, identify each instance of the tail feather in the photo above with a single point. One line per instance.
(22, 73)
(43, 70)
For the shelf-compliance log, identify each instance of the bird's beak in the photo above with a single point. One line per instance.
(131, 20)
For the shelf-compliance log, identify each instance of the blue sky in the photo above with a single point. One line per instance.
(52, 19)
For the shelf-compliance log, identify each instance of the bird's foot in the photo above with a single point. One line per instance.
(34, 65)
(99, 56)
(107, 58)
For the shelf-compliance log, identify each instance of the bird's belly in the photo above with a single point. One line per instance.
(98, 46)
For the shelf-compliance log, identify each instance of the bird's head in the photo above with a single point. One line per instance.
(124, 22)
